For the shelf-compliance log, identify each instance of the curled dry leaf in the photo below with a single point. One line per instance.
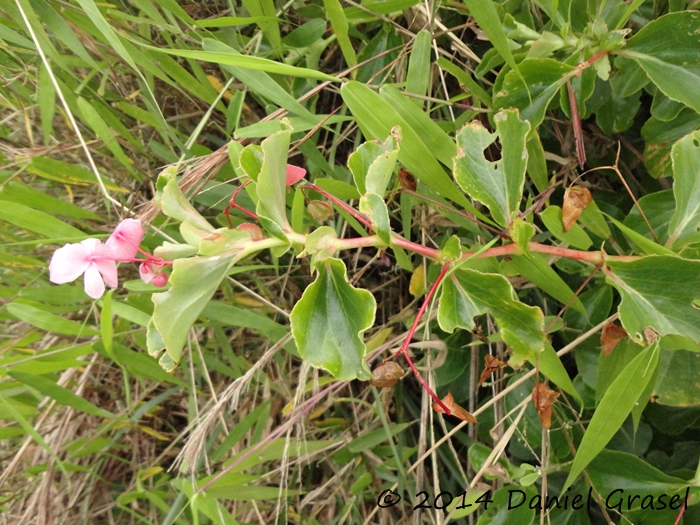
(408, 181)
(386, 375)
(543, 398)
(610, 336)
(650, 335)
(492, 364)
(576, 199)
(455, 409)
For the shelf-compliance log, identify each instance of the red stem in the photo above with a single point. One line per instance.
(232, 204)
(404, 348)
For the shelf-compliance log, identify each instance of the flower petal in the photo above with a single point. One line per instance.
(146, 272)
(94, 285)
(294, 174)
(125, 241)
(68, 263)
(108, 269)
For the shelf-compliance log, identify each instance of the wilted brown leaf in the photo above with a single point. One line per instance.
(576, 199)
(407, 180)
(386, 375)
(455, 409)
(492, 364)
(650, 335)
(543, 398)
(610, 336)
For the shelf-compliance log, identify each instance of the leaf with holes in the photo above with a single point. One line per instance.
(468, 293)
(499, 185)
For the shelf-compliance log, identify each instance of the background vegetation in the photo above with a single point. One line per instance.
(98, 98)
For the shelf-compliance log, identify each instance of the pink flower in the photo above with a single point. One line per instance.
(125, 241)
(294, 174)
(151, 272)
(91, 258)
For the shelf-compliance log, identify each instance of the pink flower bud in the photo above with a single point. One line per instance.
(125, 241)
(152, 273)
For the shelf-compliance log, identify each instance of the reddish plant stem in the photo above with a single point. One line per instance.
(339, 203)
(404, 347)
(233, 204)
(682, 511)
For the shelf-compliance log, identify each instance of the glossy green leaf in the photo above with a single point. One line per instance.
(553, 369)
(373, 206)
(576, 237)
(192, 285)
(544, 78)
(685, 156)
(657, 291)
(678, 379)
(667, 51)
(498, 185)
(418, 75)
(271, 185)
(614, 407)
(594, 221)
(468, 293)
(646, 245)
(329, 320)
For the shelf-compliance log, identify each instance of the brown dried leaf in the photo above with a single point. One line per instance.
(455, 409)
(386, 375)
(650, 334)
(408, 181)
(543, 398)
(492, 364)
(576, 199)
(610, 336)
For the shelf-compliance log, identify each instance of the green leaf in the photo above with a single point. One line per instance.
(522, 232)
(499, 185)
(466, 81)
(376, 117)
(468, 293)
(103, 131)
(576, 237)
(375, 437)
(373, 163)
(487, 18)
(592, 218)
(418, 75)
(38, 222)
(61, 395)
(174, 204)
(678, 381)
(230, 57)
(336, 16)
(551, 366)
(373, 206)
(666, 49)
(265, 9)
(613, 470)
(537, 271)
(536, 163)
(657, 291)
(685, 157)
(544, 77)
(646, 245)
(48, 321)
(193, 283)
(329, 320)
(271, 186)
(613, 409)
